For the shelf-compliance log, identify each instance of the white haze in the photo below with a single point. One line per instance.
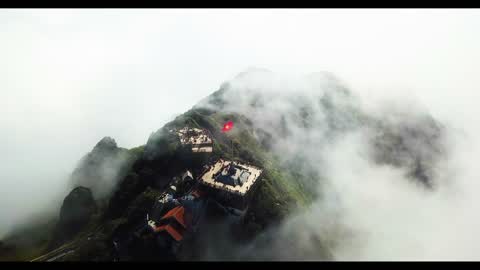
(367, 211)
(69, 78)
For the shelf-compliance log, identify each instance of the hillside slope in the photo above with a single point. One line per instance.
(283, 133)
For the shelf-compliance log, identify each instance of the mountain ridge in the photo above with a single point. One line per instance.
(265, 125)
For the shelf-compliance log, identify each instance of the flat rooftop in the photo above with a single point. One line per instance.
(199, 139)
(231, 176)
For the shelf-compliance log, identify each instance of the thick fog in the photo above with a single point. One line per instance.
(393, 182)
(68, 78)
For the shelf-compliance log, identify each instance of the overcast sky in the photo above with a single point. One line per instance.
(70, 77)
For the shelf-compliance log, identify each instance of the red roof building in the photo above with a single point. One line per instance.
(173, 223)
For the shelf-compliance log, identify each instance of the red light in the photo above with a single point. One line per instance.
(227, 126)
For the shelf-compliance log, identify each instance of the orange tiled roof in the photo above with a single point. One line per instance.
(178, 214)
(170, 230)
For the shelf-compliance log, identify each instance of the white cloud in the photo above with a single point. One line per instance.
(69, 78)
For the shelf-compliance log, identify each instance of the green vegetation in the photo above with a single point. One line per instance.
(28, 241)
(136, 152)
(282, 189)
(149, 168)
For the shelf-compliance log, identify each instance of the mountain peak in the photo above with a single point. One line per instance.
(106, 143)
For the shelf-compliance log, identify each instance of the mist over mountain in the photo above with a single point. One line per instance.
(341, 178)
(318, 127)
(374, 159)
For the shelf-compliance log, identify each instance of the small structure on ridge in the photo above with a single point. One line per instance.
(199, 140)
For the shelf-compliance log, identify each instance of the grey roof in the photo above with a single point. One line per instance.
(227, 180)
